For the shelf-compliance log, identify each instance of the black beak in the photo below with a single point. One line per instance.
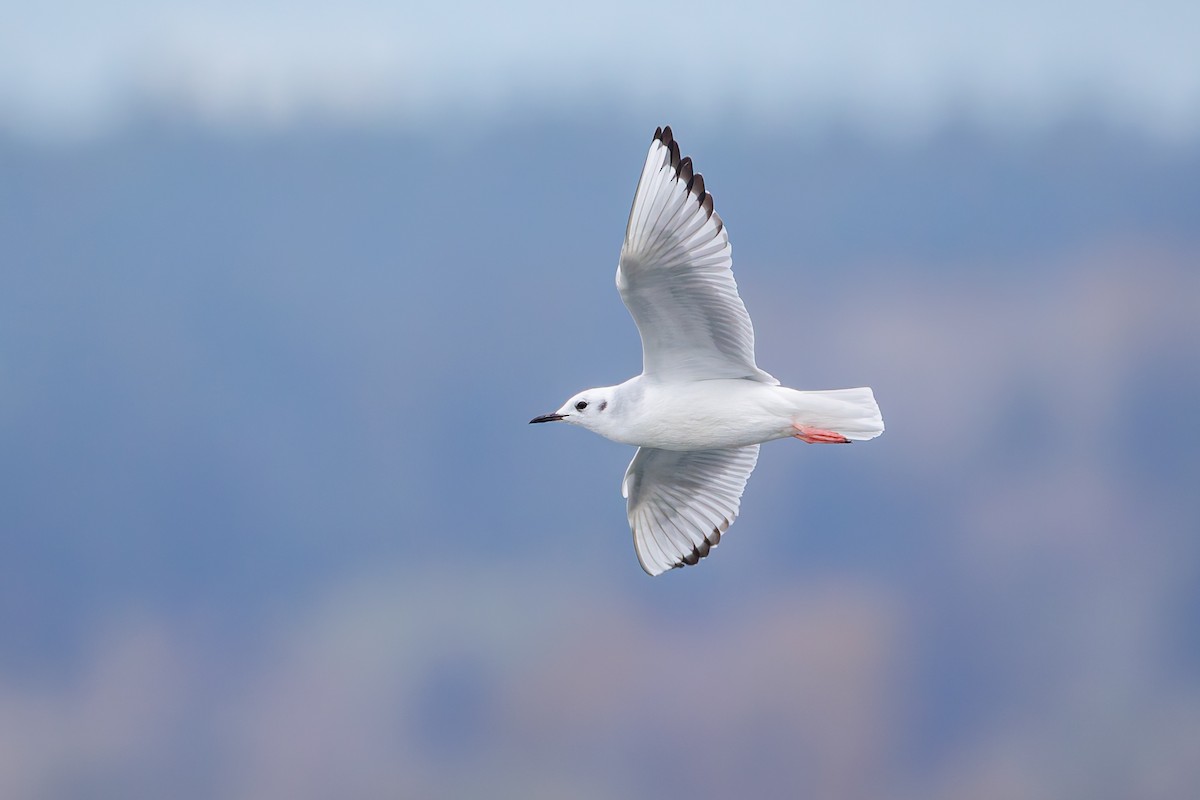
(547, 418)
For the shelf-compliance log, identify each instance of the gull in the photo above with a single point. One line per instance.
(701, 406)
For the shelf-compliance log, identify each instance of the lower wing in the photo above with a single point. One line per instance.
(680, 503)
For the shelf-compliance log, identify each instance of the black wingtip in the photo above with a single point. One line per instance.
(705, 547)
(685, 171)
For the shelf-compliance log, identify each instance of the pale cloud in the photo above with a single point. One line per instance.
(119, 716)
(895, 67)
(395, 680)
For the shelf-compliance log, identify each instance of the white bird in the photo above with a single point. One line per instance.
(701, 406)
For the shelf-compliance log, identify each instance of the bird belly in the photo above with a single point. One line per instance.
(709, 414)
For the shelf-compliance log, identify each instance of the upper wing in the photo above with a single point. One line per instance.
(676, 278)
(681, 502)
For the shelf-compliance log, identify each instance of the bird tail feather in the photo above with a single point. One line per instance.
(851, 412)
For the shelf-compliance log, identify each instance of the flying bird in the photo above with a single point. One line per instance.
(701, 406)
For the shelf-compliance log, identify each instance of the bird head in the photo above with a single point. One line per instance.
(589, 409)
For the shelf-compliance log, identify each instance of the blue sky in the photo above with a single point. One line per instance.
(280, 289)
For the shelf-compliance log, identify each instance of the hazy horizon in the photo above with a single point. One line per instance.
(69, 70)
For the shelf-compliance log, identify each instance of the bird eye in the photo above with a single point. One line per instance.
(581, 405)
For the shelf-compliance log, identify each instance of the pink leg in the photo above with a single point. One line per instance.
(812, 435)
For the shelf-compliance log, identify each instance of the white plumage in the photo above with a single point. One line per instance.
(701, 406)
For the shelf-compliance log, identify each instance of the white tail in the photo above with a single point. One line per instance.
(851, 412)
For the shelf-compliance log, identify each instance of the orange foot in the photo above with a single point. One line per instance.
(818, 436)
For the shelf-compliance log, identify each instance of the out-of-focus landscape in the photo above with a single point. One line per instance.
(280, 289)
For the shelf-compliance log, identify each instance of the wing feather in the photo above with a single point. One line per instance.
(676, 277)
(680, 503)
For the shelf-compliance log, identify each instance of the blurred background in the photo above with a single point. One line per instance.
(281, 285)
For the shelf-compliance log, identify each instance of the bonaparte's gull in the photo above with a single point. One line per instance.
(701, 406)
